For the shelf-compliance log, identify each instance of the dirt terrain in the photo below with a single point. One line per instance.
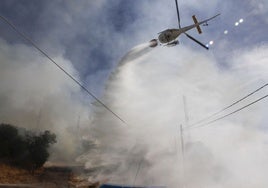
(48, 177)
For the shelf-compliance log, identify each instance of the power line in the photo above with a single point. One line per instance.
(213, 121)
(229, 106)
(61, 68)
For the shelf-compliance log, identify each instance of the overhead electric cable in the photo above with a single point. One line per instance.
(227, 107)
(54, 62)
(213, 121)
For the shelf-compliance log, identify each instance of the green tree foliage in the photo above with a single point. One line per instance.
(38, 146)
(12, 144)
(28, 149)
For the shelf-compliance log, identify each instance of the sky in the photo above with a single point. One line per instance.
(103, 45)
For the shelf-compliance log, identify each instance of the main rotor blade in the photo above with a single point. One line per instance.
(178, 13)
(201, 44)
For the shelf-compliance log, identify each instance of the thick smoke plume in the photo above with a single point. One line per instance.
(36, 95)
(148, 93)
(146, 90)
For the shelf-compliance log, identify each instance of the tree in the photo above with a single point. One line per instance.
(28, 149)
(38, 147)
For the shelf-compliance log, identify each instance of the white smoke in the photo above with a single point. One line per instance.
(146, 90)
(147, 93)
(36, 95)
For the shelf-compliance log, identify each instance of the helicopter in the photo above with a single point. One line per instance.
(169, 37)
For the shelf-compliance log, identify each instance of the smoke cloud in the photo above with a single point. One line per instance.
(146, 89)
(147, 92)
(36, 95)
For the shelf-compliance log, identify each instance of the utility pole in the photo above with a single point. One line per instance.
(182, 157)
(78, 128)
(186, 115)
(38, 119)
(138, 170)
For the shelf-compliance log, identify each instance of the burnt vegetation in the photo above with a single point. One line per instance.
(23, 148)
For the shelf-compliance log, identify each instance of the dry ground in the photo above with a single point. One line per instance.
(45, 177)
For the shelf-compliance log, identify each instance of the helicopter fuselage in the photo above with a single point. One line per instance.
(170, 35)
